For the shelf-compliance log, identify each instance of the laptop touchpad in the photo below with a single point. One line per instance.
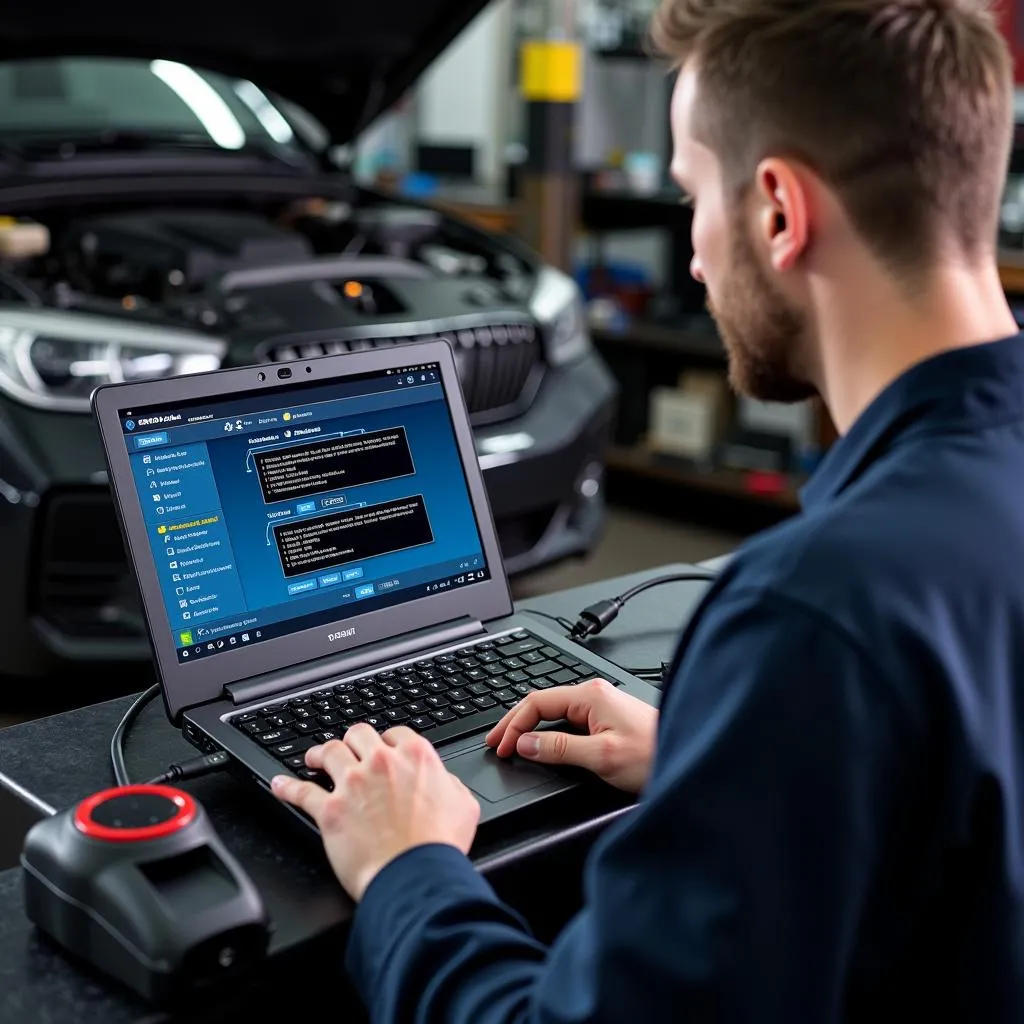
(495, 779)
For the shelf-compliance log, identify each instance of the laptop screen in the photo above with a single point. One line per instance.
(302, 504)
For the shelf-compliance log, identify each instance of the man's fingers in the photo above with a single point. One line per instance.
(493, 738)
(400, 736)
(542, 706)
(306, 796)
(552, 747)
(332, 757)
(362, 740)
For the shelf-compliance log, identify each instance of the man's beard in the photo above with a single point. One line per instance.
(765, 335)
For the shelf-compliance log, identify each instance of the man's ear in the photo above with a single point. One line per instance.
(783, 204)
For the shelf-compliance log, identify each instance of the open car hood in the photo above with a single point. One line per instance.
(344, 61)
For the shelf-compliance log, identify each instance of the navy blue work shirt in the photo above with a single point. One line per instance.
(834, 826)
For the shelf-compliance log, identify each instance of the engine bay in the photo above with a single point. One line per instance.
(201, 265)
(88, 297)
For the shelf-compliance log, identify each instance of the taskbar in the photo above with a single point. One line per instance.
(205, 648)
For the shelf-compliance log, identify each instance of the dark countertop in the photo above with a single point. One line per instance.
(56, 761)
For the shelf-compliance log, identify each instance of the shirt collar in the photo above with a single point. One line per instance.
(961, 389)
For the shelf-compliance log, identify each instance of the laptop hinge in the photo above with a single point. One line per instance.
(281, 680)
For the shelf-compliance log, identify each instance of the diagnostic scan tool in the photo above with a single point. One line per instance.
(136, 882)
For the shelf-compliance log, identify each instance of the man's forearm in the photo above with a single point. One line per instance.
(431, 941)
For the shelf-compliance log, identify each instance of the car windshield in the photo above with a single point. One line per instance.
(76, 96)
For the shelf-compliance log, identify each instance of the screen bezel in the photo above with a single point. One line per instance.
(186, 685)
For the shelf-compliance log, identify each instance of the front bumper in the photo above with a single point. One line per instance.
(544, 469)
(68, 597)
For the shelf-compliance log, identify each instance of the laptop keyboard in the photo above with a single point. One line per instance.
(443, 697)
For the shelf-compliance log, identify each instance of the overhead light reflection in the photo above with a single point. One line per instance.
(202, 99)
(266, 113)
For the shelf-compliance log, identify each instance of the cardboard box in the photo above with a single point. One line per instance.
(688, 420)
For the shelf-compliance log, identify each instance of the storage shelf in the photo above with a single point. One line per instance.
(733, 483)
(604, 210)
(1011, 272)
(627, 51)
(698, 339)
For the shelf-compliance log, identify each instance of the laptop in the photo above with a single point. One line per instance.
(314, 547)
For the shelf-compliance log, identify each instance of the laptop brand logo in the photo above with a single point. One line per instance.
(342, 635)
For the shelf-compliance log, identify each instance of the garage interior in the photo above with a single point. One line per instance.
(504, 187)
(687, 471)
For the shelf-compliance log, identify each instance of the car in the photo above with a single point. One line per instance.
(175, 196)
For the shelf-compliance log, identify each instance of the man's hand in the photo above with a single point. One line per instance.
(620, 744)
(391, 793)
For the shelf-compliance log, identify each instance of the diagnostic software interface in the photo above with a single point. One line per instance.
(302, 505)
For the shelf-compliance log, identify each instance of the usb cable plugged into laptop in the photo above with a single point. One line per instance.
(194, 767)
(596, 617)
(654, 675)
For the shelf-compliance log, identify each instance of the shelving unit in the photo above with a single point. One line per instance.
(1011, 272)
(647, 353)
(650, 352)
(697, 339)
(696, 343)
(770, 489)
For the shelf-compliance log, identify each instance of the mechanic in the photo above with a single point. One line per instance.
(830, 824)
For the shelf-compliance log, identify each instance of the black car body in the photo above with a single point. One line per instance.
(171, 201)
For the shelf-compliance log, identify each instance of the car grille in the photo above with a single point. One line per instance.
(500, 365)
(519, 534)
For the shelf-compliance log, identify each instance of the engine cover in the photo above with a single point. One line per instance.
(158, 254)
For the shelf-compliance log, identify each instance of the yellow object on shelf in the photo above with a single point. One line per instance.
(552, 72)
(23, 238)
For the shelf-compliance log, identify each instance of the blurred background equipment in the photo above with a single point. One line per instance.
(171, 204)
(497, 175)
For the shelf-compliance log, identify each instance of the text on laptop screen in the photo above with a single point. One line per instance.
(301, 505)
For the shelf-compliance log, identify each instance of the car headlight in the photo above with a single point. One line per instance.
(557, 305)
(54, 360)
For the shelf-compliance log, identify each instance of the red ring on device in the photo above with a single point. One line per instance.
(185, 814)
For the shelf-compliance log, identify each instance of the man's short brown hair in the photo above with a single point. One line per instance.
(904, 107)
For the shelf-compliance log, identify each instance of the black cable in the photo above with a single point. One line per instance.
(598, 616)
(680, 577)
(117, 740)
(15, 284)
(192, 769)
(649, 673)
(644, 673)
(564, 623)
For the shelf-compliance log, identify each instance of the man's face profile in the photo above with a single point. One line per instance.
(764, 333)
